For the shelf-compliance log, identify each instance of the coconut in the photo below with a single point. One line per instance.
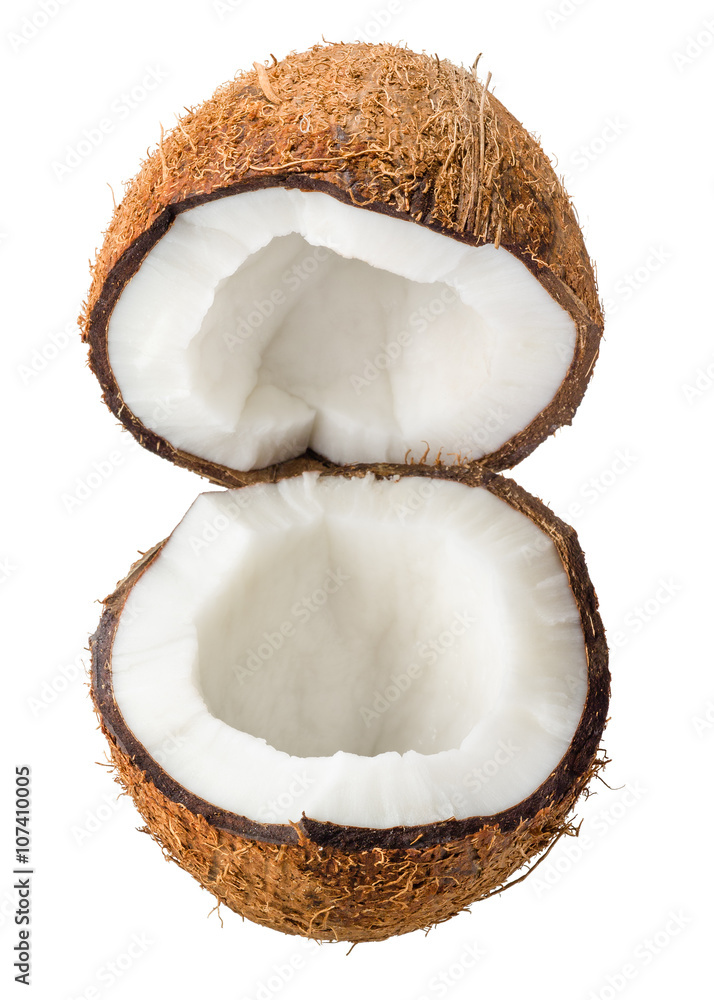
(351, 703)
(360, 688)
(355, 254)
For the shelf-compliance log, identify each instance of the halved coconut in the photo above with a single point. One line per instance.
(352, 702)
(357, 255)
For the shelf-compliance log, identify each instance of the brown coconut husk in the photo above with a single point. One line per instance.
(377, 126)
(333, 882)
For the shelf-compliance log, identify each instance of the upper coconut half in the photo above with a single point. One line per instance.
(356, 254)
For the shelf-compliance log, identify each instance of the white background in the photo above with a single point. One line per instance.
(621, 94)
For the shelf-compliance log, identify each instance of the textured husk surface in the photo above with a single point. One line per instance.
(381, 127)
(330, 882)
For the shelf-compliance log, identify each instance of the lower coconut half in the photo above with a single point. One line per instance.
(354, 701)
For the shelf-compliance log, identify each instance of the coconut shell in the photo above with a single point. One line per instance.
(380, 127)
(333, 882)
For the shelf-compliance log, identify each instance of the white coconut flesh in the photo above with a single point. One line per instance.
(373, 653)
(269, 322)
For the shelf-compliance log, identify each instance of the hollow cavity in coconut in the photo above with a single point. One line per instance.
(357, 255)
(350, 703)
